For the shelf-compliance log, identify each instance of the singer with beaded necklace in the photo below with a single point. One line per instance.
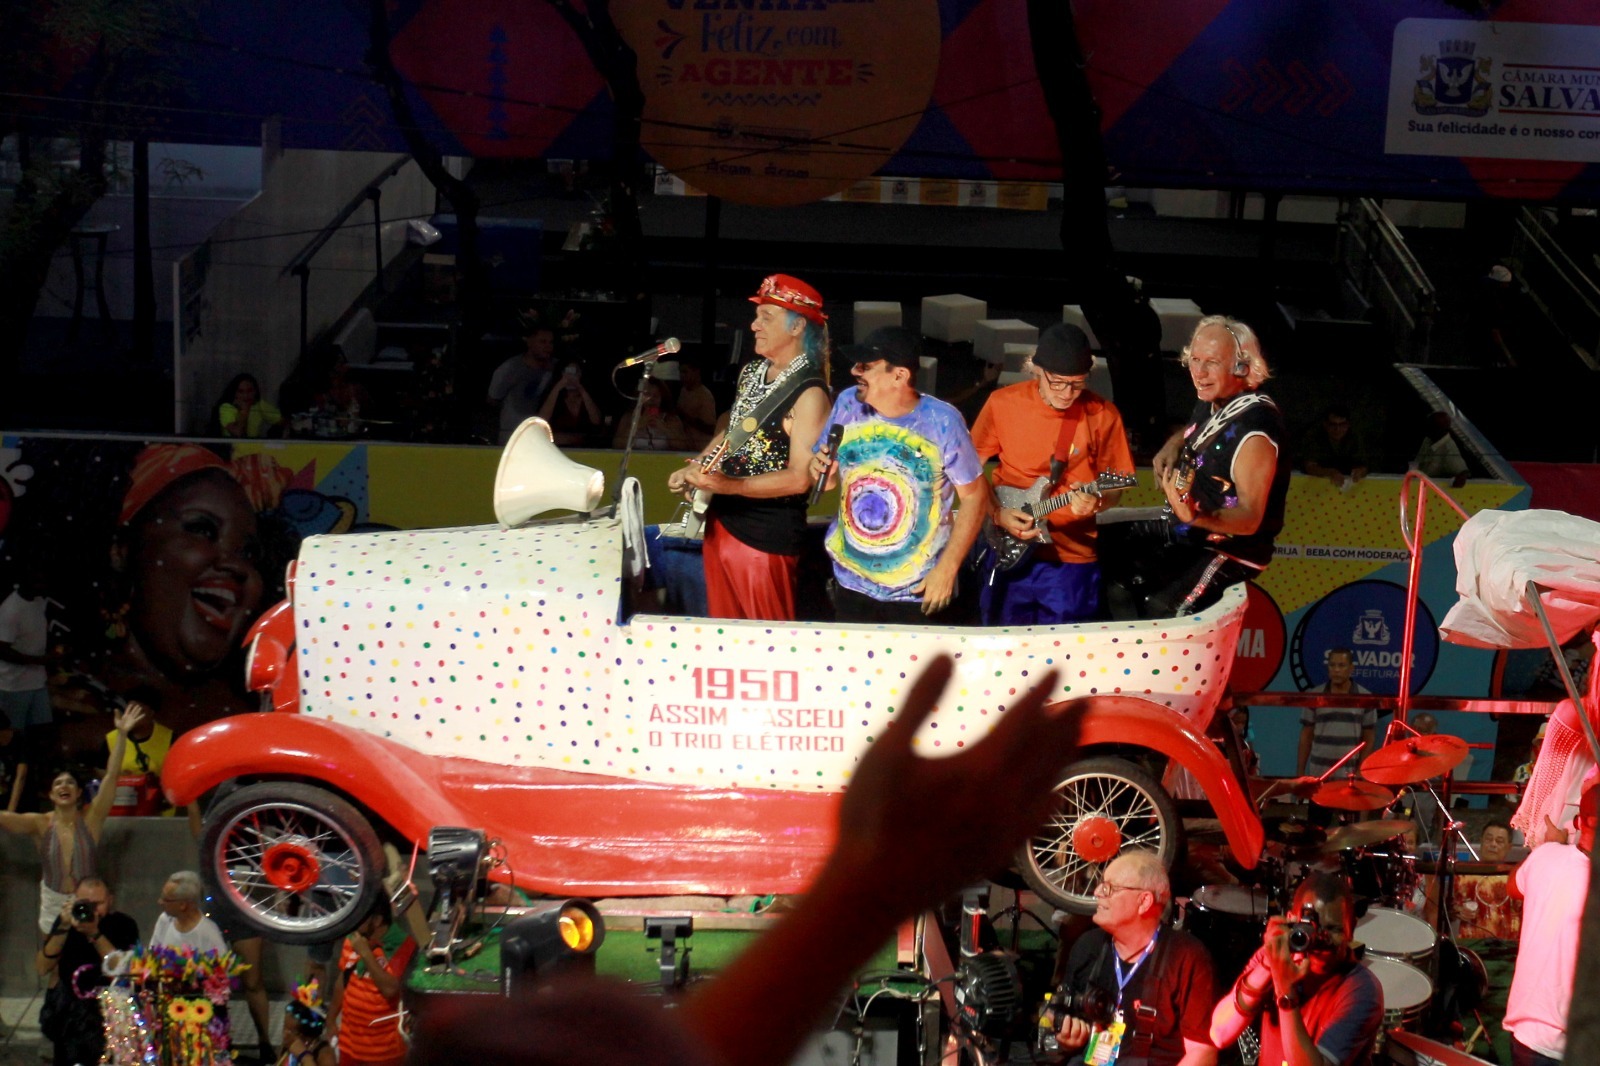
(757, 525)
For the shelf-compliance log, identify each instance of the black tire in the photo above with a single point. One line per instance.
(330, 843)
(1143, 814)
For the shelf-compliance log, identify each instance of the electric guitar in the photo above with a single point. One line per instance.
(694, 512)
(1008, 551)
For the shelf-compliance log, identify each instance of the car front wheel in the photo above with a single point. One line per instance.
(1106, 805)
(294, 862)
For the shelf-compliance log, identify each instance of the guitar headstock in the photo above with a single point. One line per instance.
(1110, 481)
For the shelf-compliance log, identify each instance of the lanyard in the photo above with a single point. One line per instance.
(1124, 978)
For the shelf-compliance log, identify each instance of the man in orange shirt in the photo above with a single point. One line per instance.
(1051, 427)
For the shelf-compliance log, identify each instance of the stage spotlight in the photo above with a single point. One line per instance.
(553, 938)
(988, 992)
(457, 861)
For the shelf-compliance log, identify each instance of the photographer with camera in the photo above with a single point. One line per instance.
(1134, 990)
(1322, 1005)
(84, 933)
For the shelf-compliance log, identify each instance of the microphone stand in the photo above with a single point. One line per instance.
(633, 429)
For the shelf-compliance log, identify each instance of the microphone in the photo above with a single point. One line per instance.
(669, 346)
(835, 435)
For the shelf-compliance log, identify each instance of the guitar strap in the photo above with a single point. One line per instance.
(776, 403)
(1074, 430)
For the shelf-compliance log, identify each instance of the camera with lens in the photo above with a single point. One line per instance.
(1091, 1003)
(1307, 933)
(82, 911)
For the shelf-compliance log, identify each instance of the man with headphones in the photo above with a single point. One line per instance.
(1225, 476)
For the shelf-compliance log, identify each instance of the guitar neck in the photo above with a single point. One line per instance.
(714, 456)
(1055, 503)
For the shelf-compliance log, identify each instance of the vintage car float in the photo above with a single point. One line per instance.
(490, 677)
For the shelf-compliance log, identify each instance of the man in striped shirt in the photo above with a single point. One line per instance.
(1328, 733)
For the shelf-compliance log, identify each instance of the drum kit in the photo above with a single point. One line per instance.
(1401, 949)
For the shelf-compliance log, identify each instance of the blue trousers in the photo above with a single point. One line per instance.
(1041, 593)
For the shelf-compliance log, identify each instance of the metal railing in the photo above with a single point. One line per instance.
(1378, 268)
(1567, 297)
(300, 265)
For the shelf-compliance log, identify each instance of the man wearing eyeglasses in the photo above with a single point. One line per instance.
(1225, 477)
(1155, 982)
(903, 462)
(1053, 427)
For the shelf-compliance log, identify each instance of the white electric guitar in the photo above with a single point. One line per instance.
(694, 512)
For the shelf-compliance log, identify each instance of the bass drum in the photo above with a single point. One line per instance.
(1463, 982)
(1230, 920)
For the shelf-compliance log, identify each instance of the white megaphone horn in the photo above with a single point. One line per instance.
(535, 477)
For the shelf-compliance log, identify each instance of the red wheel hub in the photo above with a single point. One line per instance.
(1096, 839)
(291, 866)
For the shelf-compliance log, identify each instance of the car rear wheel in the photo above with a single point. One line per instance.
(293, 862)
(1106, 805)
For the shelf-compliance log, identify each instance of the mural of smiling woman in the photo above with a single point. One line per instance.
(188, 553)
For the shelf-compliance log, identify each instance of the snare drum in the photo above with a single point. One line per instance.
(1230, 920)
(1407, 991)
(1392, 934)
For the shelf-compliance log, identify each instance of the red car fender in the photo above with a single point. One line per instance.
(576, 833)
(365, 766)
(1130, 720)
(273, 663)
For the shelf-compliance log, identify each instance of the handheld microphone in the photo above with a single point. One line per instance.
(835, 435)
(669, 346)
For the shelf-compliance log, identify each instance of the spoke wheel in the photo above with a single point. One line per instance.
(1106, 805)
(294, 862)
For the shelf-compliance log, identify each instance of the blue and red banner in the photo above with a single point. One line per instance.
(776, 101)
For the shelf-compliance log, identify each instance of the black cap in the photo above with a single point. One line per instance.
(1064, 349)
(896, 345)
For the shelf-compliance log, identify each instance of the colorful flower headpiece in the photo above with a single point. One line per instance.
(305, 1005)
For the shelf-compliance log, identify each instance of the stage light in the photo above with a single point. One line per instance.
(457, 861)
(552, 938)
(988, 992)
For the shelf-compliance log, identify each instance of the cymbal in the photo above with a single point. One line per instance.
(1296, 834)
(1360, 834)
(1352, 795)
(1405, 762)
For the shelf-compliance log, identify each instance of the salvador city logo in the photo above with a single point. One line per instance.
(1455, 81)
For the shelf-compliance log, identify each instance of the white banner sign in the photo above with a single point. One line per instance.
(1505, 90)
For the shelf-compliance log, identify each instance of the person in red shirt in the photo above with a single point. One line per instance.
(1054, 427)
(367, 988)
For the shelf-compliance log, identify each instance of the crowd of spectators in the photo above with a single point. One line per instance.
(549, 367)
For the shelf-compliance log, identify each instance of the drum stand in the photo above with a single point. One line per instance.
(1448, 827)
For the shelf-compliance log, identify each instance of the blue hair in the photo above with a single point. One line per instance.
(813, 342)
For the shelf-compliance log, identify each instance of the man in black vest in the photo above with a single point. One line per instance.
(1225, 476)
(758, 513)
(1142, 992)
